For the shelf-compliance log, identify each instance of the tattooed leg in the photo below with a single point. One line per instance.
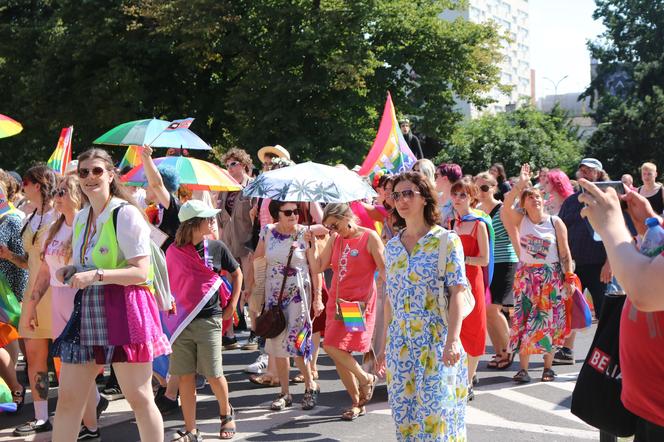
(41, 385)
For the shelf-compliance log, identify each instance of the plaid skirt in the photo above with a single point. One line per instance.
(112, 323)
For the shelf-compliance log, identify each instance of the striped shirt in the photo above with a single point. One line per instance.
(502, 250)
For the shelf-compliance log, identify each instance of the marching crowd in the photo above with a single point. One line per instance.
(433, 265)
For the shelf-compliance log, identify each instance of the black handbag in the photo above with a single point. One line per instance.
(272, 321)
(596, 396)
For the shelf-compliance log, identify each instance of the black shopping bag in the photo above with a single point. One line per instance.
(596, 396)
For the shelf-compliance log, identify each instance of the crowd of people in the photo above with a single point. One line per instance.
(433, 265)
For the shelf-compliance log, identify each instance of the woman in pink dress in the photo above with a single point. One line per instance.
(354, 253)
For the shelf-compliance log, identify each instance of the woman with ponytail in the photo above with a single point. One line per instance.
(38, 186)
(115, 318)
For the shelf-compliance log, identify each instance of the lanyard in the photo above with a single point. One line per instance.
(90, 231)
(206, 256)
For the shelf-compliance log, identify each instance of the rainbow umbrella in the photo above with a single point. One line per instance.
(196, 174)
(152, 132)
(9, 127)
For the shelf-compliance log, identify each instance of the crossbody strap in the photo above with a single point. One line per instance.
(442, 255)
(286, 269)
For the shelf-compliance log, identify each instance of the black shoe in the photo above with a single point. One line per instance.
(86, 434)
(476, 380)
(252, 342)
(165, 404)
(471, 394)
(564, 356)
(31, 427)
(102, 405)
(229, 343)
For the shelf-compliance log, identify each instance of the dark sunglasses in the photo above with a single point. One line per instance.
(96, 171)
(485, 187)
(332, 227)
(405, 194)
(290, 212)
(60, 193)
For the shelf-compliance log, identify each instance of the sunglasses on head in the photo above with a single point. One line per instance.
(485, 187)
(290, 212)
(96, 171)
(60, 193)
(405, 194)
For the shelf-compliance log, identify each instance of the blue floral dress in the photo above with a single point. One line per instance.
(416, 338)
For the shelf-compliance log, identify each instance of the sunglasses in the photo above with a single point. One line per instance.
(332, 227)
(26, 183)
(290, 212)
(96, 171)
(232, 164)
(485, 187)
(405, 194)
(460, 195)
(60, 193)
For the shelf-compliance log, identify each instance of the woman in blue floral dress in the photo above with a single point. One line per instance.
(418, 344)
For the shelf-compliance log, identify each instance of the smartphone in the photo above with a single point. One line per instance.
(618, 186)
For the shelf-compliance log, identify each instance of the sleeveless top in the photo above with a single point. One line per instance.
(502, 248)
(538, 242)
(656, 200)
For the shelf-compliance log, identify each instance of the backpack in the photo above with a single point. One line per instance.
(162, 288)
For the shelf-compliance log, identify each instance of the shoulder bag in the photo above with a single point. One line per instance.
(467, 298)
(272, 321)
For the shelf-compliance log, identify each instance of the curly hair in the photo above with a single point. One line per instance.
(11, 186)
(240, 155)
(425, 187)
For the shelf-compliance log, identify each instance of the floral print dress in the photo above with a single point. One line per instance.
(295, 340)
(416, 336)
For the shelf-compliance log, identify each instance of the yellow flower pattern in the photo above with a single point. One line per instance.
(416, 337)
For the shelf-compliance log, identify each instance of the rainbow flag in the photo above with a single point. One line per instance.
(132, 157)
(390, 150)
(61, 156)
(352, 314)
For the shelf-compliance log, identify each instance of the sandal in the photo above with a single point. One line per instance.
(548, 375)
(493, 363)
(299, 379)
(522, 377)
(186, 436)
(282, 401)
(505, 361)
(353, 412)
(19, 399)
(314, 374)
(310, 398)
(367, 390)
(263, 380)
(225, 420)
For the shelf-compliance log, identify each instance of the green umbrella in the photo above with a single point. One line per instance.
(152, 132)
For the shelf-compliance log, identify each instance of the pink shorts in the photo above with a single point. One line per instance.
(62, 305)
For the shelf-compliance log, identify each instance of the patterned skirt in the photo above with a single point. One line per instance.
(112, 323)
(539, 322)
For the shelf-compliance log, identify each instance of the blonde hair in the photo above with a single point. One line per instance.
(486, 176)
(74, 191)
(427, 168)
(648, 166)
(338, 210)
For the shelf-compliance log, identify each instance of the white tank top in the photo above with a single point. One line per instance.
(538, 242)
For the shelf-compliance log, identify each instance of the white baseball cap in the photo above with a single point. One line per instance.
(196, 209)
(592, 163)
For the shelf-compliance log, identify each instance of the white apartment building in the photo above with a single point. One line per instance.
(513, 18)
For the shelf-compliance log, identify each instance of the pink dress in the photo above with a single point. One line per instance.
(354, 269)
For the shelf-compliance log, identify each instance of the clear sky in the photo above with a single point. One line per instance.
(559, 30)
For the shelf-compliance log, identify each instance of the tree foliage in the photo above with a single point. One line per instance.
(513, 138)
(311, 75)
(628, 89)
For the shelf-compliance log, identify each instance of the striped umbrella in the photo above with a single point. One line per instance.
(196, 174)
(153, 133)
(9, 127)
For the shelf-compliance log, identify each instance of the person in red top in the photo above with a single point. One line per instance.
(642, 321)
(354, 253)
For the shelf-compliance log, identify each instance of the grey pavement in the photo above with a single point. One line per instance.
(501, 411)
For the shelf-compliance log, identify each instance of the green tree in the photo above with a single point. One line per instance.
(627, 91)
(513, 138)
(311, 75)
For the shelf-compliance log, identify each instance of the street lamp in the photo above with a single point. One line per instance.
(555, 86)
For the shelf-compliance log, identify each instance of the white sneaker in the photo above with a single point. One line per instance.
(259, 366)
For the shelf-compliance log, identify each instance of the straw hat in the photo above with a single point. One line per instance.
(277, 150)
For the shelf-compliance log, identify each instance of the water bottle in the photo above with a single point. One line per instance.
(449, 374)
(653, 240)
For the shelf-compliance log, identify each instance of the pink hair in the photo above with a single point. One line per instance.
(560, 182)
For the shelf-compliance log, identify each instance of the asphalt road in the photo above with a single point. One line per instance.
(501, 411)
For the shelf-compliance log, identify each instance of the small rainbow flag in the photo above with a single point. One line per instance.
(352, 314)
(132, 157)
(390, 150)
(62, 154)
